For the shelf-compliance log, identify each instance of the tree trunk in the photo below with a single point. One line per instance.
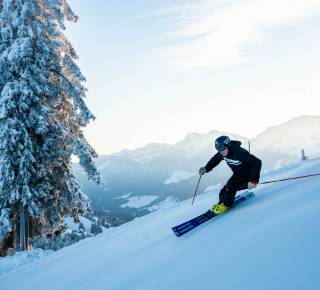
(22, 229)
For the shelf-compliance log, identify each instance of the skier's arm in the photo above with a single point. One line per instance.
(213, 162)
(255, 162)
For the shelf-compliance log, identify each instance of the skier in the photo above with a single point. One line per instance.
(246, 170)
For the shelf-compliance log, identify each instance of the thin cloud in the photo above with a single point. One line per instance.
(214, 34)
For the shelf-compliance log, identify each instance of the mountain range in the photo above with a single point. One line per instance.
(140, 181)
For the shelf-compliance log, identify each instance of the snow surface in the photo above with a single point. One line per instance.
(178, 176)
(134, 201)
(168, 202)
(269, 242)
(213, 187)
(124, 196)
(75, 226)
(21, 259)
(139, 201)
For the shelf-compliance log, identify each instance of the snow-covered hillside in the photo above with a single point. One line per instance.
(269, 242)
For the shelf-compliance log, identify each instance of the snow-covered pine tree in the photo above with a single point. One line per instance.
(4, 223)
(42, 114)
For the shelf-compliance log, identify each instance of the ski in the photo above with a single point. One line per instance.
(187, 226)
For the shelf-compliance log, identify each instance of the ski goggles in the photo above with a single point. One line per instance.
(220, 147)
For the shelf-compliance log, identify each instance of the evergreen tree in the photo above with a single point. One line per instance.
(95, 229)
(4, 223)
(81, 227)
(42, 113)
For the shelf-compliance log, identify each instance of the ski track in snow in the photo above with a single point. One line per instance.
(268, 242)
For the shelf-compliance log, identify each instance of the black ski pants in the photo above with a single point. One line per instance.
(228, 192)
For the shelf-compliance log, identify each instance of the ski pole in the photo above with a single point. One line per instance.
(195, 192)
(284, 179)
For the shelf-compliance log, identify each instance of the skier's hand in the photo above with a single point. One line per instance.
(252, 184)
(202, 171)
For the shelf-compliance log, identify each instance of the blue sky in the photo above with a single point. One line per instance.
(157, 70)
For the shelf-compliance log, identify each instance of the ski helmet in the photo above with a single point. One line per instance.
(221, 142)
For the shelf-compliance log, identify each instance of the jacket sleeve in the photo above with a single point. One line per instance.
(213, 162)
(255, 163)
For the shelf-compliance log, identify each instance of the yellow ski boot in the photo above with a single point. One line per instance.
(219, 208)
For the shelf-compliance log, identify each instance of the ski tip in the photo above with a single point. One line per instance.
(176, 232)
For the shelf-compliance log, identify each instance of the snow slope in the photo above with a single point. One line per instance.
(270, 242)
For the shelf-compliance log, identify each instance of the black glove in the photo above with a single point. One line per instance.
(202, 171)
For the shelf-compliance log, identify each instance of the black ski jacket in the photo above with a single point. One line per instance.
(244, 165)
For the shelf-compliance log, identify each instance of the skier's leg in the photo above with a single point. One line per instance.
(222, 193)
(233, 185)
(220, 207)
(228, 192)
